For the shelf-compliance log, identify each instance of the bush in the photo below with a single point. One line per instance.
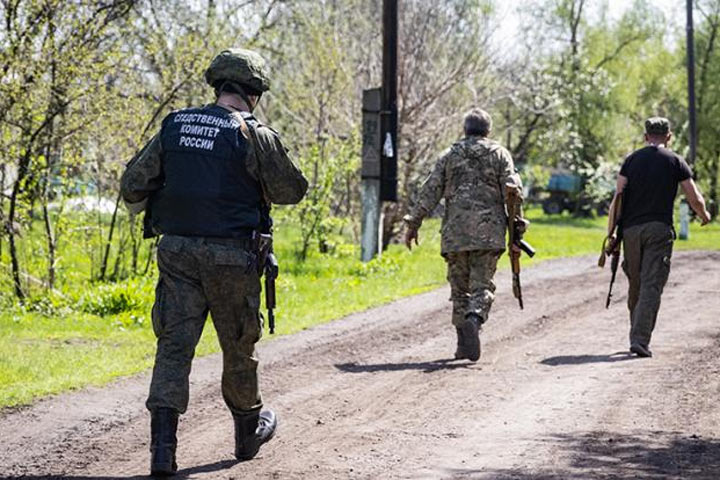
(48, 305)
(112, 299)
(378, 265)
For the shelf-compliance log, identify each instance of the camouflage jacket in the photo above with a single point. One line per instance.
(282, 181)
(471, 177)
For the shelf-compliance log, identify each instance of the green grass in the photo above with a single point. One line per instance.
(91, 333)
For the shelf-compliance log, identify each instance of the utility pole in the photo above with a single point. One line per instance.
(379, 149)
(371, 173)
(388, 190)
(692, 126)
(691, 82)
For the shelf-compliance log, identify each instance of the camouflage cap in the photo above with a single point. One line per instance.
(243, 67)
(657, 126)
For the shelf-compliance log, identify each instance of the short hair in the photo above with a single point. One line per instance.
(478, 122)
(657, 126)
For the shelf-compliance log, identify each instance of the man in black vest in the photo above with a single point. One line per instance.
(648, 182)
(206, 181)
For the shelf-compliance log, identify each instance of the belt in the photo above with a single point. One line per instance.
(244, 243)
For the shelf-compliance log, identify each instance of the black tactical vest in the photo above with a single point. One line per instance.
(207, 190)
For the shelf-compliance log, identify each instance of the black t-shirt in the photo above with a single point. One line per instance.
(653, 175)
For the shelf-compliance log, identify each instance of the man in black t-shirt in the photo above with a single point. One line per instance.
(648, 182)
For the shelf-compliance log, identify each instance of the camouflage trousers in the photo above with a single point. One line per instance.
(648, 250)
(472, 289)
(198, 276)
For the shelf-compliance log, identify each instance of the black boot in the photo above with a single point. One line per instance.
(163, 441)
(471, 337)
(251, 431)
(640, 350)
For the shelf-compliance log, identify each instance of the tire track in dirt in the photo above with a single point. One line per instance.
(375, 395)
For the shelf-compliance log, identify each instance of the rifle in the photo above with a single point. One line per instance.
(268, 266)
(271, 273)
(612, 245)
(517, 226)
(613, 272)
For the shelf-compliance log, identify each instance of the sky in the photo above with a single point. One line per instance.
(509, 28)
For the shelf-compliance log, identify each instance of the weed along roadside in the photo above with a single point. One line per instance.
(89, 333)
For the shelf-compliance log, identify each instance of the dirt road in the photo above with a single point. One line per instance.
(375, 396)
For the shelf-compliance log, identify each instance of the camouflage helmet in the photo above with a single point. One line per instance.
(240, 66)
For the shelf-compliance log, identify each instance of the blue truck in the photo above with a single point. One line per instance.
(564, 192)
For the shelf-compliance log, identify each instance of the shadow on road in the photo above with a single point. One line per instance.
(207, 468)
(602, 455)
(427, 367)
(181, 474)
(581, 359)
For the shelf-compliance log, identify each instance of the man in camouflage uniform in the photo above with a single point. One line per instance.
(206, 181)
(472, 176)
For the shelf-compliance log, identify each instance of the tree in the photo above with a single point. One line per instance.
(708, 98)
(579, 103)
(445, 68)
(315, 104)
(48, 61)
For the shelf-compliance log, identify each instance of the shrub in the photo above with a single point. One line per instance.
(378, 265)
(111, 299)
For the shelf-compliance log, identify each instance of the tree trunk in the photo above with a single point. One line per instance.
(151, 254)
(11, 226)
(51, 157)
(117, 272)
(3, 169)
(51, 243)
(17, 286)
(135, 244)
(108, 242)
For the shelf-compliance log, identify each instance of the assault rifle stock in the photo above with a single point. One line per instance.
(612, 245)
(516, 229)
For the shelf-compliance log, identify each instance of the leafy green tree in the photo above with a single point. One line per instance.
(50, 62)
(708, 98)
(581, 102)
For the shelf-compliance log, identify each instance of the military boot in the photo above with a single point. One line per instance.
(251, 431)
(163, 441)
(471, 336)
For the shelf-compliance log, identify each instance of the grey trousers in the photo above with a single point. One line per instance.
(648, 250)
